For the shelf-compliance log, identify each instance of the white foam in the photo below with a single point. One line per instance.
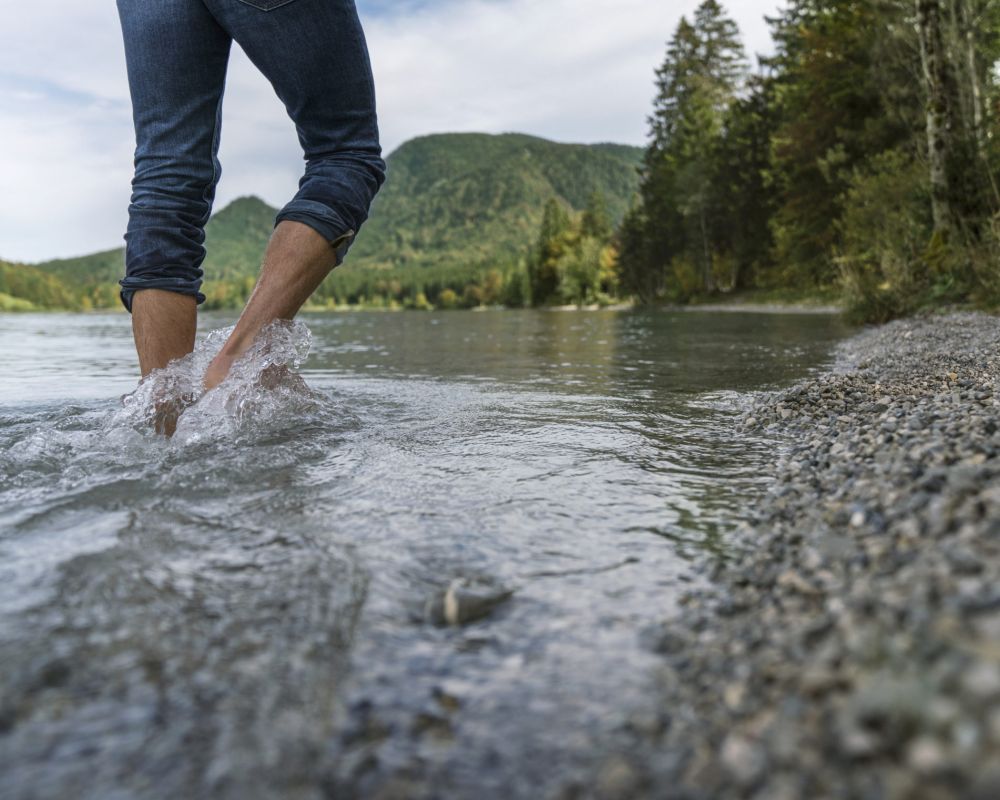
(262, 389)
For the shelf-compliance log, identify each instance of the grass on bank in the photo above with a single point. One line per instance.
(10, 303)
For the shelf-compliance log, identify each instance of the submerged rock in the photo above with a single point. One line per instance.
(466, 600)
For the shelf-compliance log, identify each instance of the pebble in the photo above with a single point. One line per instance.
(618, 780)
(743, 759)
(926, 755)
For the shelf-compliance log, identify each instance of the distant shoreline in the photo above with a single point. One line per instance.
(743, 307)
(762, 308)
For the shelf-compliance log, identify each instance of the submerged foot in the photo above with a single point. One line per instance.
(165, 416)
(275, 376)
(217, 371)
(272, 376)
(166, 412)
(159, 400)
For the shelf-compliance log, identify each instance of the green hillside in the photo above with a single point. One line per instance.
(477, 200)
(235, 238)
(453, 207)
(26, 288)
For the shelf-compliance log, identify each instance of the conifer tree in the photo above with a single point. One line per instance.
(822, 171)
(596, 222)
(698, 81)
(543, 266)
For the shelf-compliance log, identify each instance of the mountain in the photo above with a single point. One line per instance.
(476, 199)
(235, 237)
(453, 206)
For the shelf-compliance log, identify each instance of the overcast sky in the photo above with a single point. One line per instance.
(569, 70)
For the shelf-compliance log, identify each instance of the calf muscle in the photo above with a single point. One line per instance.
(163, 325)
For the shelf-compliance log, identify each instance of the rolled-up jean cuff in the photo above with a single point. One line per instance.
(129, 286)
(322, 220)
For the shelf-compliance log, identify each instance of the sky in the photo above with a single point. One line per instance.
(568, 70)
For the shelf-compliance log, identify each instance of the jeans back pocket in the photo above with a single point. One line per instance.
(266, 5)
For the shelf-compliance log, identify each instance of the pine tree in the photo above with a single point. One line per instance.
(833, 116)
(596, 222)
(543, 266)
(743, 198)
(699, 80)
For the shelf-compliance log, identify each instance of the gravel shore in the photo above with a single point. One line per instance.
(852, 649)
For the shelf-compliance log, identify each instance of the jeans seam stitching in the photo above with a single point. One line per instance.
(265, 8)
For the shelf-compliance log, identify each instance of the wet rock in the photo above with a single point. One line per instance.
(447, 699)
(649, 722)
(794, 582)
(466, 600)
(927, 756)
(437, 725)
(744, 760)
(619, 780)
(986, 785)
(982, 680)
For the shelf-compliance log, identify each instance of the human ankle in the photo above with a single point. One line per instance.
(235, 346)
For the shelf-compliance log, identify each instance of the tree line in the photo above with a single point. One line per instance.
(573, 260)
(858, 160)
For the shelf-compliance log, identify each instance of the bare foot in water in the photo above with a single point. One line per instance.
(166, 412)
(162, 406)
(217, 371)
(274, 376)
(270, 377)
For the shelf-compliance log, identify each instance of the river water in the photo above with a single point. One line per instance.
(251, 609)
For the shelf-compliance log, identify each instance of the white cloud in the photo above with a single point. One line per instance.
(571, 70)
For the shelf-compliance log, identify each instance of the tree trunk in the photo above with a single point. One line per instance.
(706, 253)
(960, 40)
(940, 112)
(968, 34)
(969, 16)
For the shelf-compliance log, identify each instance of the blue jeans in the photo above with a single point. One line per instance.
(177, 51)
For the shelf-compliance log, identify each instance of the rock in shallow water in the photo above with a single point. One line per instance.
(466, 600)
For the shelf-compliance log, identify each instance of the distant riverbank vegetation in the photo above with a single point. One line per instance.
(860, 160)
(572, 261)
(855, 165)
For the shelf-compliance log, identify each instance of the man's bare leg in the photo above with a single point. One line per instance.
(163, 325)
(297, 260)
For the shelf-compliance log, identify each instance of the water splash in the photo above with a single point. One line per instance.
(261, 391)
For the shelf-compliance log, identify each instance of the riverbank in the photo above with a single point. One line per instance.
(852, 649)
(754, 307)
(772, 301)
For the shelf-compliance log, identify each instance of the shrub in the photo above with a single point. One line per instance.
(885, 227)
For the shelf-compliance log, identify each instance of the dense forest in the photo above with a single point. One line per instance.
(857, 162)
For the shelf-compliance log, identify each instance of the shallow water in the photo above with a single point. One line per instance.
(242, 611)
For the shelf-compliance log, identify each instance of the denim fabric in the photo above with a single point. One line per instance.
(177, 51)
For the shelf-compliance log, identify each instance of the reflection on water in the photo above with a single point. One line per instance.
(242, 611)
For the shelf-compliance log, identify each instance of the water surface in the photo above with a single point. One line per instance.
(242, 611)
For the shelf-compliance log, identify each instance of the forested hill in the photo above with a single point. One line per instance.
(476, 199)
(453, 207)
